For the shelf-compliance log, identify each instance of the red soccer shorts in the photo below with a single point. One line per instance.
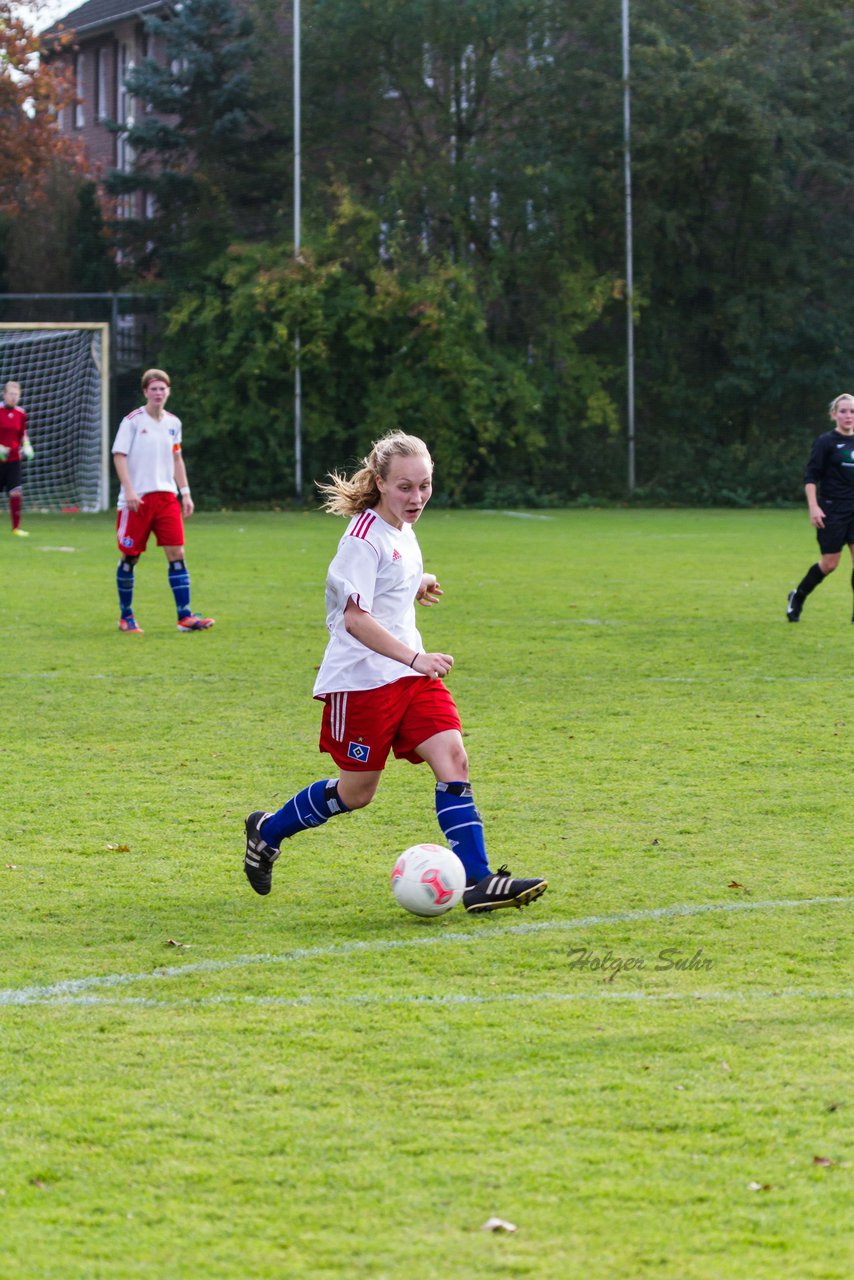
(361, 727)
(160, 514)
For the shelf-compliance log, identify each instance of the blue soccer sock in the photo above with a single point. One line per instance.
(179, 581)
(124, 582)
(310, 807)
(462, 827)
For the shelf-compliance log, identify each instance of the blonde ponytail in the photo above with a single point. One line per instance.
(347, 496)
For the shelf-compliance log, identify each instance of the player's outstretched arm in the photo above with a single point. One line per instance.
(373, 635)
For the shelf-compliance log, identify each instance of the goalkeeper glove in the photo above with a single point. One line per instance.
(4, 452)
(27, 450)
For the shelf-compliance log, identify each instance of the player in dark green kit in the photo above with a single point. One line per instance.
(829, 486)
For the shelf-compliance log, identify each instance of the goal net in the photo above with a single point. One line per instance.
(63, 372)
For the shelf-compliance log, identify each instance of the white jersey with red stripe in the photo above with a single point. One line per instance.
(380, 568)
(149, 445)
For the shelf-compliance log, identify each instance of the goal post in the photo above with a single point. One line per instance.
(64, 372)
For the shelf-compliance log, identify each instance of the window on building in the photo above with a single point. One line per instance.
(124, 112)
(125, 103)
(101, 105)
(148, 52)
(80, 91)
(427, 66)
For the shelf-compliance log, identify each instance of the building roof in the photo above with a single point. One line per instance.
(94, 15)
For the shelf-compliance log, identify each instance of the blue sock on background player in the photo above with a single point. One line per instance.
(462, 827)
(124, 582)
(310, 807)
(179, 581)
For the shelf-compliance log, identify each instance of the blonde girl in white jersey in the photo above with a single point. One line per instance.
(381, 690)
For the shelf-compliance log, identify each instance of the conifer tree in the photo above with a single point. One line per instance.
(195, 142)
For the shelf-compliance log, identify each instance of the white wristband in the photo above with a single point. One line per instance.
(185, 492)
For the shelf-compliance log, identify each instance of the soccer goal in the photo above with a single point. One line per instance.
(63, 370)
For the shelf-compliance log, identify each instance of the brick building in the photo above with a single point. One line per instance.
(109, 39)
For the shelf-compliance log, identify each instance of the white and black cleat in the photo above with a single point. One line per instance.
(260, 856)
(500, 889)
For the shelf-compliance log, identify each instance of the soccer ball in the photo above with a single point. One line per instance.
(428, 879)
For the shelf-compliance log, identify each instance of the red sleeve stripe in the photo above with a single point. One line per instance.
(362, 527)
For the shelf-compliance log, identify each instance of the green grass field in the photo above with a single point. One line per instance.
(648, 1071)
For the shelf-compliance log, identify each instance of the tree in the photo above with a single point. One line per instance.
(445, 117)
(380, 347)
(32, 92)
(744, 165)
(198, 146)
(93, 268)
(480, 142)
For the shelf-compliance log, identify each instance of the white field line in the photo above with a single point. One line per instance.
(236, 676)
(517, 515)
(66, 991)
(449, 999)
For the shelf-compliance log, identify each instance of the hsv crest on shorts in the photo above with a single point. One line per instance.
(358, 751)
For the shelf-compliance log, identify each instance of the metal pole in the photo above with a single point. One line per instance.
(297, 231)
(630, 289)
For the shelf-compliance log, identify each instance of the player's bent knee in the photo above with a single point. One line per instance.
(452, 759)
(456, 767)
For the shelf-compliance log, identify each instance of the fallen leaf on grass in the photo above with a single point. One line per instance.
(733, 884)
(497, 1224)
(759, 1186)
(11, 866)
(119, 848)
(170, 942)
(824, 1161)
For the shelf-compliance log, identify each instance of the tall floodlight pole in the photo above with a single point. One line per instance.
(297, 219)
(630, 308)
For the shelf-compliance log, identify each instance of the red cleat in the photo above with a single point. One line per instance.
(194, 622)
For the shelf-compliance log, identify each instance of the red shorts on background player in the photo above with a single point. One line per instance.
(381, 691)
(154, 498)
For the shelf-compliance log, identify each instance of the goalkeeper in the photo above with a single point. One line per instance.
(14, 445)
(150, 466)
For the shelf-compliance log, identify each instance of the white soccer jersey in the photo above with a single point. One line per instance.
(150, 447)
(379, 567)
